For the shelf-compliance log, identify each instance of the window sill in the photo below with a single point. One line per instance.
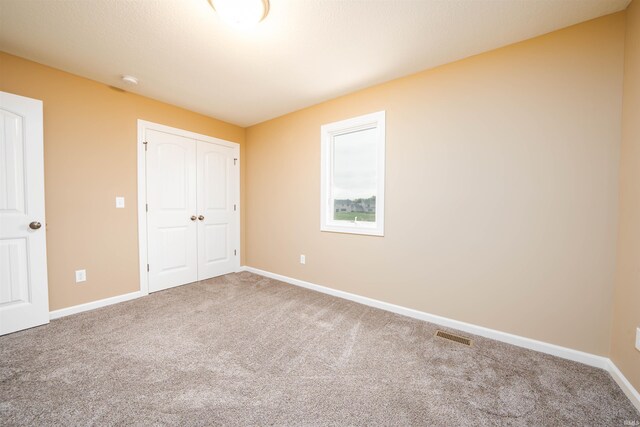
(361, 230)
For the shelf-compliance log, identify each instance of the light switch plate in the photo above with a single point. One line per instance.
(119, 202)
(303, 259)
(638, 339)
(81, 276)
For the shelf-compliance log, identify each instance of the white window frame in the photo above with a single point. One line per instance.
(327, 134)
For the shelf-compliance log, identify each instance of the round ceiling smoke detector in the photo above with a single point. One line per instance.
(241, 13)
(130, 80)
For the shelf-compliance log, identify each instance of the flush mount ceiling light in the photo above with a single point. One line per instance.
(241, 13)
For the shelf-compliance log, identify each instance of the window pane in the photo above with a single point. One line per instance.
(354, 183)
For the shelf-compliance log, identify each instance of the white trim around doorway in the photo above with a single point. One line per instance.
(143, 125)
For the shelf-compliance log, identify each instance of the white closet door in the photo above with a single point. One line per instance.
(171, 217)
(24, 297)
(218, 235)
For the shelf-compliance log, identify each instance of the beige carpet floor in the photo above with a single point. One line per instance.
(246, 350)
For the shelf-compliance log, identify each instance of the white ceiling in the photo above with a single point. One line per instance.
(304, 52)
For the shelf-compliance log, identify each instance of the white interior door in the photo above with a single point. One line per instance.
(217, 210)
(24, 296)
(171, 210)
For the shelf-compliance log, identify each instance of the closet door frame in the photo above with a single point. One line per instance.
(143, 126)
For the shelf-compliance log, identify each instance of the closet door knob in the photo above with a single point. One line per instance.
(35, 225)
(201, 218)
(193, 217)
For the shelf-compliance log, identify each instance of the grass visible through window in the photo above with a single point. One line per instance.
(351, 216)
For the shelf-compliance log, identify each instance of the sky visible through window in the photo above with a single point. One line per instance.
(355, 165)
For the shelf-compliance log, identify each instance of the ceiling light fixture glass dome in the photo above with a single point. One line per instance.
(241, 13)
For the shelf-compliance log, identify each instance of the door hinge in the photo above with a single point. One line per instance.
(235, 252)
(145, 145)
(147, 206)
(147, 267)
(234, 207)
(234, 161)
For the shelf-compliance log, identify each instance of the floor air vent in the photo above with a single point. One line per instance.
(456, 338)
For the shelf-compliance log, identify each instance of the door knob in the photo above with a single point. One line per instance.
(193, 217)
(201, 218)
(35, 225)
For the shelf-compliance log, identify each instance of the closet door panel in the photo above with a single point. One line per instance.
(217, 209)
(171, 199)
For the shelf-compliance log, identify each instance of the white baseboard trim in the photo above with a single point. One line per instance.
(555, 350)
(531, 344)
(56, 314)
(624, 384)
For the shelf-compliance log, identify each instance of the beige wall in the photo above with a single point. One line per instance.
(90, 134)
(501, 190)
(626, 311)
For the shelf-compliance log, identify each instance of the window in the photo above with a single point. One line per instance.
(352, 184)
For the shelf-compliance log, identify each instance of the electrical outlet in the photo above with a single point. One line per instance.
(81, 276)
(638, 339)
(303, 259)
